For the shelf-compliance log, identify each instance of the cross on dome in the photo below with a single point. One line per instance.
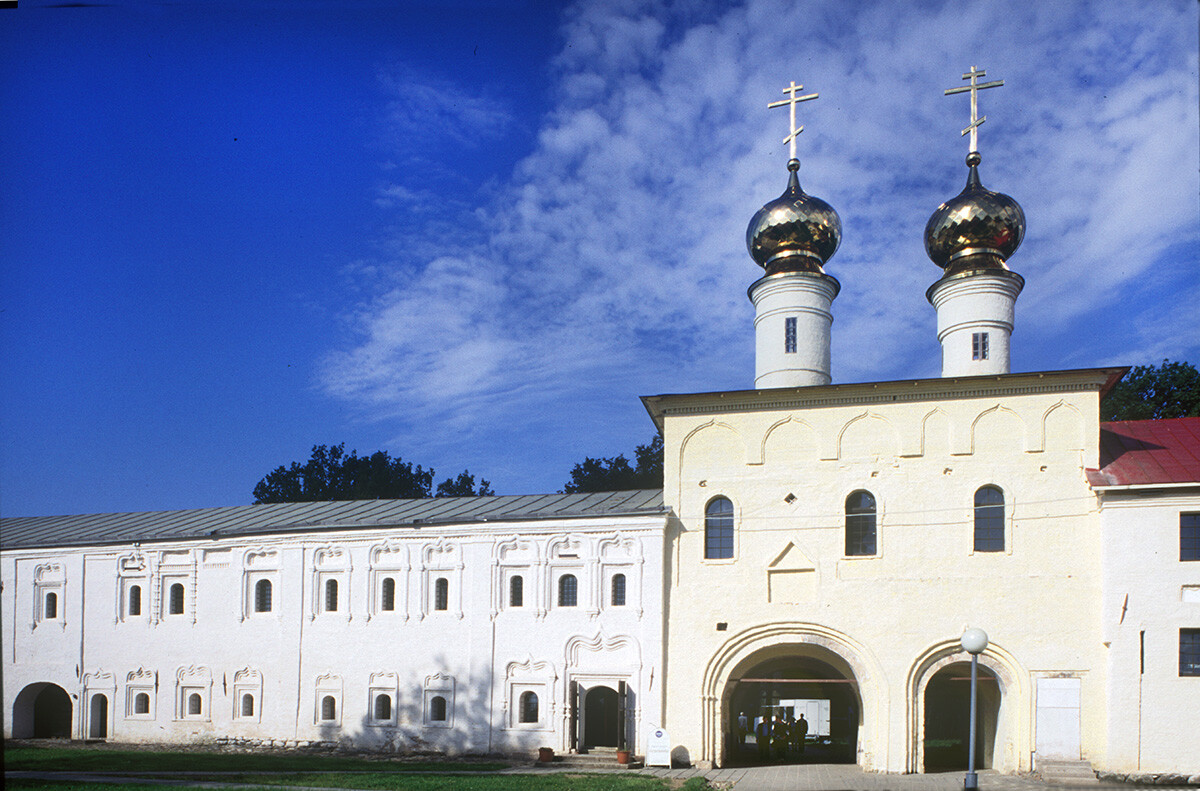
(791, 102)
(975, 87)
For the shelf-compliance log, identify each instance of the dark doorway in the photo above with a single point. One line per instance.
(948, 719)
(600, 717)
(98, 718)
(773, 694)
(42, 711)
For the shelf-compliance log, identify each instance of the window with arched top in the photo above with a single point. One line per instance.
(387, 598)
(141, 703)
(860, 523)
(568, 591)
(195, 704)
(618, 590)
(247, 705)
(516, 591)
(175, 599)
(331, 595)
(383, 707)
(989, 519)
(328, 708)
(437, 709)
(718, 529)
(441, 594)
(262, 596)
(528, 707)
(135, 600)
(51, 609)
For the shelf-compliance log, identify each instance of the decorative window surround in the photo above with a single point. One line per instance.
(140, 682)
(529, 676)
(438, 686)
(247, 681)
(261, 564)
(49, 584)
(441, 560)
(328, 685)
(388, 684)
(331, 563)
(193, 680)
(133, 572)
(389, 561)
(514, 557)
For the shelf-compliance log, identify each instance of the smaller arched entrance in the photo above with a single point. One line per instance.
(42, 711)
(600, 717)
(98, 717)
(948, 719)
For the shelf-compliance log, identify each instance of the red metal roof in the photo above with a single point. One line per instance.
(1137, 452)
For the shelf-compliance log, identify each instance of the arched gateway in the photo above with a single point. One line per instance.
(772, 674)
(42, 711)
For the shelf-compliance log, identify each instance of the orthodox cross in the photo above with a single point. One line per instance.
(791, 102)
(975, 87)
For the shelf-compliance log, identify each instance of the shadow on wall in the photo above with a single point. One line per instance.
(437, 712)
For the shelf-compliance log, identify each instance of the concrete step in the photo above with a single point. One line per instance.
(596, 758)
(1066, 773)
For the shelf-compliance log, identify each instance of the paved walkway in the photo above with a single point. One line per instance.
(807, 777)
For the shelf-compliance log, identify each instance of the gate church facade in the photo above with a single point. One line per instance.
(816, 545)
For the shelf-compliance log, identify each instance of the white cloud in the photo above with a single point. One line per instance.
(614, 260)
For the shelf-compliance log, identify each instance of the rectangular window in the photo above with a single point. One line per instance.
(979, 346)
(1189, 536)
(1189, 652)
(789, 335)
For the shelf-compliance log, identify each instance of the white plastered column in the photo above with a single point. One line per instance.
(970, 303)
(806, 297)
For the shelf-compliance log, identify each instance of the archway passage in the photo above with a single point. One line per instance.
(98, 717)
(600, 717)
(948, 719)
(42, 711)
(802, 707)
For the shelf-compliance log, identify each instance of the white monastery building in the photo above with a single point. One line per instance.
(817, 549)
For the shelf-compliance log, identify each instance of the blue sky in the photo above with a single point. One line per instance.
(472, 233)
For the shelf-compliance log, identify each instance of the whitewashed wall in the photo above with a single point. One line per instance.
(1149, 594)
(788, 459)
(478, 654)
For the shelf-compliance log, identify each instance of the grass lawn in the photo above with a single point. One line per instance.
(555, 782)
(259, 770)
(85, 759)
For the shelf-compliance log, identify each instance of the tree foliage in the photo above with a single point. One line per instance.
(617, 474)
(331, 474)
(1151, 392)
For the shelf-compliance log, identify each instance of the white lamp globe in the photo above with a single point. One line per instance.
(974, 641)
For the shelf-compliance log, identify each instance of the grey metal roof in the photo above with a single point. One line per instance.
(55, 531)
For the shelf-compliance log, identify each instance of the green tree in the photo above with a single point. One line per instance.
(1151, 392)
(464, 486)
(331, 474)
(617, 474)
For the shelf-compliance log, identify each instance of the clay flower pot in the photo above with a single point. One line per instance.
(622, 756)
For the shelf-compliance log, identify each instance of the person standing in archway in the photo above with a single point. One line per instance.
(801, 731)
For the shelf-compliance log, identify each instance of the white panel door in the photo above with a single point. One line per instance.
(1058, 718)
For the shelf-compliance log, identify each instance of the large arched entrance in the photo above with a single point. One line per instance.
(948, 719)
(42, 711)
(600, 713)
(795, 703)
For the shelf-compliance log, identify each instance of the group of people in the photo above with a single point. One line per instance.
(776, 735)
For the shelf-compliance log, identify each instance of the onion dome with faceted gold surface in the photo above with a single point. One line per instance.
(795, 232)
(978, 229)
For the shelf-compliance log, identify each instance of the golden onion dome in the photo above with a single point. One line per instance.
(978, 229)
(795, 232)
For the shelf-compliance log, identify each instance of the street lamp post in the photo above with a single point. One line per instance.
(974, 641)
